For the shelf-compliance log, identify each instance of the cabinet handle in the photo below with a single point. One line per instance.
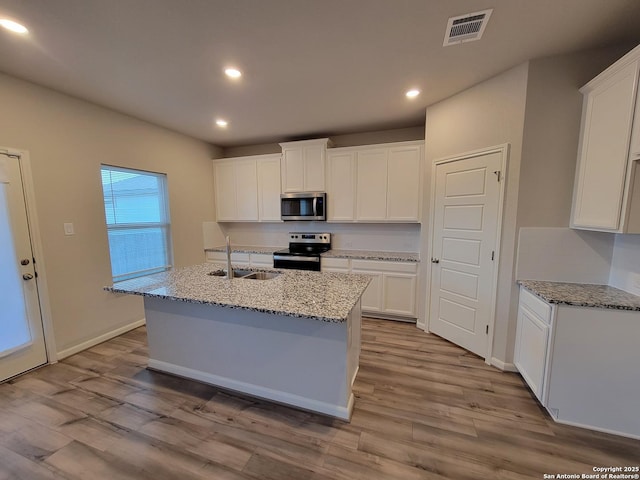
(27, 276)
(435, 260)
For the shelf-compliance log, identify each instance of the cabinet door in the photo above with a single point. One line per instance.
(225, 193)
(532, 337)
(403, 183)
(269, 189)
(399, 294)
(314, 167)
(246, 180)
(372, 296)
(341, 186)
(604, 150)
(261, 260)
(292, 170)
(371, 184)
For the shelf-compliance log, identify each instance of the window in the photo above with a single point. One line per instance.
(137, 214)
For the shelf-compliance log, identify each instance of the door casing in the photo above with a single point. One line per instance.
(36, 245)
(503, 150)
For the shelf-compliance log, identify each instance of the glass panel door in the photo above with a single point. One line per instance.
(21, 334)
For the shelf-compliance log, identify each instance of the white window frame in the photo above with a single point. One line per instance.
(165, 226)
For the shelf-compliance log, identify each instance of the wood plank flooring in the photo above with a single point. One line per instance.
(425, 409)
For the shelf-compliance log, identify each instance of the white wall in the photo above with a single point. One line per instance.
(385, 237)
(625, 265)
(67, 140)
(488, 114)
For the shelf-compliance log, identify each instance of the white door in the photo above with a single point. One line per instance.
(464, 244)
(21, 335)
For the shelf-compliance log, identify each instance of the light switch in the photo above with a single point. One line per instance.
(68, 229)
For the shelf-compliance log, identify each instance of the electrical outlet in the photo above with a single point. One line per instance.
(68, 229)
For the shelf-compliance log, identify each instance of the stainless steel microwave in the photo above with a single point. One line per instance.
(303, 206)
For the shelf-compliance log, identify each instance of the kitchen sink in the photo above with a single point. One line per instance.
(261, 275)
(248, 274)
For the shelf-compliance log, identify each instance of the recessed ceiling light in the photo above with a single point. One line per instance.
(222, 123)
(232, 72)
(13, 26)
(413, 93)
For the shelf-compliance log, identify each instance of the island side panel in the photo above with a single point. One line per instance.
(297, 361)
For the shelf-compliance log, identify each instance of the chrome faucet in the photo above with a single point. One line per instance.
(229, 269)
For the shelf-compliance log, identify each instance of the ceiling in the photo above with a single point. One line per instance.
(310, 67)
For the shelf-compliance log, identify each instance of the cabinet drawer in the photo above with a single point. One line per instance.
(341, 263)
(541, 308)
(385, 266)
(262, 259)
(216, 257)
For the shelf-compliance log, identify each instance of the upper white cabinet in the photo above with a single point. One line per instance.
(341, 185)
(389, 179)
(247, 189)
(303, 165)
(606, 191)
(268, 167)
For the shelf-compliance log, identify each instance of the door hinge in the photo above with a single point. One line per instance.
(486, 330)
(493, 254)
(498, 174)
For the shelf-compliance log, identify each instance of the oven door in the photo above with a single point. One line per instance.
(296, 262)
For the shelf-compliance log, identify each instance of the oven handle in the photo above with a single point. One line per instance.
(296, 258)
(315, 206)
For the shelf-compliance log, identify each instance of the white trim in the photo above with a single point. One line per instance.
(24, 163)
(503, 149)
(279, 396)
(597, 429)
(102, 338)
(504, 366)
(355, 374)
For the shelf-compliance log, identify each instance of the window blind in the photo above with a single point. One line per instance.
(137, 218)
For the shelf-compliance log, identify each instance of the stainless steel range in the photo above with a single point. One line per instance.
(303, 252)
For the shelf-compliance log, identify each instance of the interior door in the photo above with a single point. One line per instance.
(465, 234)
(22, 339)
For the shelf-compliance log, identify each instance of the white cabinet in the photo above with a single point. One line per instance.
(268, 167)
(389, 179)
(242, 259)
(341, 185)
(392, 291)
(372, 184)
(606, 192)
(532, 341)
(247, 188)
(403, 183)
(375, 183)
(236, 189)
(335, 265)
(303, 165)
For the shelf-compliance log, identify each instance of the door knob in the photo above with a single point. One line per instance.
(27, 276)
(435, 260)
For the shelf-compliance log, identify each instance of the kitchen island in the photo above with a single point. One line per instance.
(293, 339)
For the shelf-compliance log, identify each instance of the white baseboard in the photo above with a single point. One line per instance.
(597, 429)
(505, 367)
(67, 352)
(278, 396)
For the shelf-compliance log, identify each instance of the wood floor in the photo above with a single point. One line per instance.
(424, 409)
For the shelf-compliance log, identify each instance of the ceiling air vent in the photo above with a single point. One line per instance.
(466, 28)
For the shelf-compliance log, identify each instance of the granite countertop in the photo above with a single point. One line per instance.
(356, 254)
(583, 295)
(322, 296)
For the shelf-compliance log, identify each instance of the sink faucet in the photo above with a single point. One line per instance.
(229, 269)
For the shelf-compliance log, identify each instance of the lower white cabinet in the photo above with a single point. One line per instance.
(335, 265)
(242, 259)
(392, 291)
(532, 341)
(581, 363)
